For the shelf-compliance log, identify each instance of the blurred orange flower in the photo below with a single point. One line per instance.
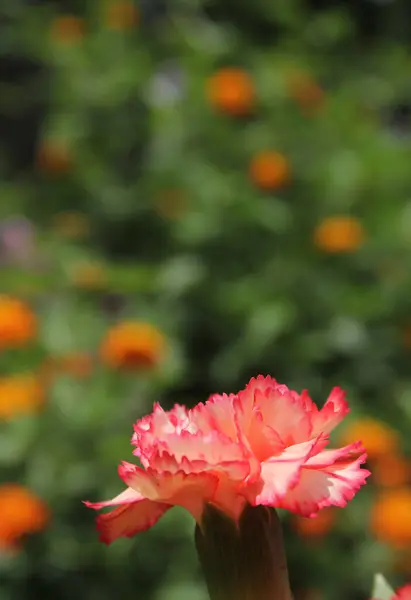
(18, 323)
(71, 225)
(315, 527)
(20, 394)
(231, 90)
(390, 517)
(121, 15)
(67, 29)
(269, 170)
(89, 276)
(54, 157)
(305, 92)
(391, 470)
(21, 513)
(132, 345)
(339, 234)
(379, 439)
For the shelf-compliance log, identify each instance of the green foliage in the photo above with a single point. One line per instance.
(382, 589)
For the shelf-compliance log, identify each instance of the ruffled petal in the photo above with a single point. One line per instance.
(174, 489)
(219, 421)
(264, 441)
(140, 480)
(217, 414)
(245, 401)
(331, 414)
(306, 401)
(128, 496)
(133, 515)
(158, 426)
(284, 414)
(332, 486)
(229, 498)
(281, 473)
(326, 458)
(130, 519)
(195, 453)
(194, 492)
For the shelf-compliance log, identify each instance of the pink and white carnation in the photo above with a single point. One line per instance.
(265, 445)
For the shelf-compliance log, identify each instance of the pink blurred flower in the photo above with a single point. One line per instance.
(264, 446)
(403, 593)
(17, 240)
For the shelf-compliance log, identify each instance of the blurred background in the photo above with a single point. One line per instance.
(191, 193)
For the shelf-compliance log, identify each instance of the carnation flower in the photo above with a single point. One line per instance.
(264, 446)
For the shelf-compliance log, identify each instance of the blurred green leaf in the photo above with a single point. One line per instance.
(381, 589)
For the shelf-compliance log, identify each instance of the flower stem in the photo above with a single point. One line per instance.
(244, 561)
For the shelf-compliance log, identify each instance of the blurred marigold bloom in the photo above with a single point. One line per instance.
(391, 470)
(54, 157)
(390, 517)
(316, 527)
(339, 234)
(18, 323)
(231, 90)
(269, 170)
(67, 29)
(379, 439)
(20, 394)
(21, 513)
(121, 15)
(73, 225)
(132, 345)
(264, 446)
(305, 92)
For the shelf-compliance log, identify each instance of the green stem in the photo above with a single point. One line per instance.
(245, 561)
